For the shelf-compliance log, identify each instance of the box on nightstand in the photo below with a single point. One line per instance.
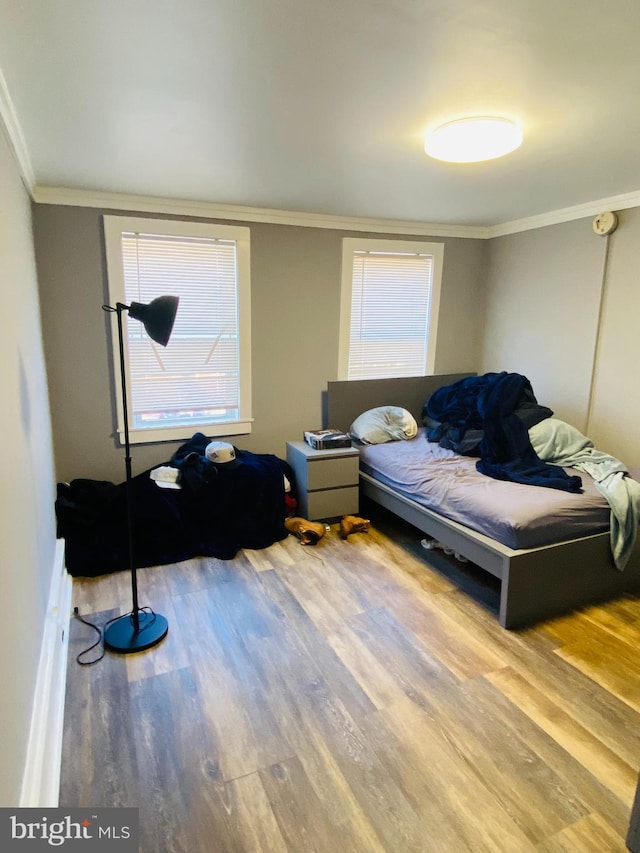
(327, 439)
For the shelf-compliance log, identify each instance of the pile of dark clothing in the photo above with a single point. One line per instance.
(489, 416)
(217, 511)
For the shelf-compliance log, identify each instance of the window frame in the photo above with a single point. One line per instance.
(114, 227)
(351, 245)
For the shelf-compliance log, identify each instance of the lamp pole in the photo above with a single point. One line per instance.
(139, 629)
(120, 307)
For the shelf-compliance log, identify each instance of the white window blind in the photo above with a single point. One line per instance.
(196, 382)
(393, 296)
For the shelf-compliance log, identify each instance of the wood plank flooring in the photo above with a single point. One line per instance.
(357, 696)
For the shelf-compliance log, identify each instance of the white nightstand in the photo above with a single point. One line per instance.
(327, 480)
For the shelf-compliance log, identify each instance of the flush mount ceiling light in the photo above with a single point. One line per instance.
(471, 140)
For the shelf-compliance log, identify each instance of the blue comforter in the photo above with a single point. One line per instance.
(489, 416)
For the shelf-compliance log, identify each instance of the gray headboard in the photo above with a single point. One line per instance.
(348, 399)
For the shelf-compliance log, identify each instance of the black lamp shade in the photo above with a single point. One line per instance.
(157, 317)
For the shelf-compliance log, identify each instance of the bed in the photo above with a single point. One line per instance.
(572, 567)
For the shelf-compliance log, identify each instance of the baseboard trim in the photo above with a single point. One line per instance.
(41, 779)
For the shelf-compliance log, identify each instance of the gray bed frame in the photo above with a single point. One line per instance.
(535, 584)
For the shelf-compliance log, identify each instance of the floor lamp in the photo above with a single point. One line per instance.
(141, 628)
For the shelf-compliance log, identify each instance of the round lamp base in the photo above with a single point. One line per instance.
(121, 635)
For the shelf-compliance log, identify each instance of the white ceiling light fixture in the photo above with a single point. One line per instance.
(473, 139)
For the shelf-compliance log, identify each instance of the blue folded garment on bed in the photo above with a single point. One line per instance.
(497, 410)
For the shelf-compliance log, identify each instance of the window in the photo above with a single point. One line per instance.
(200, 382)
(389, 308)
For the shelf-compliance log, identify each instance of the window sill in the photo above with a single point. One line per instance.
(156, 435)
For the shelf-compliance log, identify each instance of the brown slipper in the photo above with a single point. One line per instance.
(308, 532)
(353, 524)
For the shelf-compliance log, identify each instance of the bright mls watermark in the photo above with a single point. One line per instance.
(107, 830)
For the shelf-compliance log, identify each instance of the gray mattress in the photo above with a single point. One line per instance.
(516, 515)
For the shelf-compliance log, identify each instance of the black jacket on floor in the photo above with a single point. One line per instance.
(218, 511)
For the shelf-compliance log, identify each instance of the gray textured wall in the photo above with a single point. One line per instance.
(295, 284)
(27, 485)
(543, 319)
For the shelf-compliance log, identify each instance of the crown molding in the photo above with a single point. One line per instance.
(566, 214)
(209, 210)
(13, 132)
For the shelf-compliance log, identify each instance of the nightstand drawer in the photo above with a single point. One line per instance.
(327, 480)
(332, 503)
(329, 473)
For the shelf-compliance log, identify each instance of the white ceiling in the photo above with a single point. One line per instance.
(321, 105)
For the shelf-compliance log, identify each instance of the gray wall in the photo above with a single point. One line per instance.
(528, 303)
(295, 280)
(27, 485)
(542, 318)
(615, 416)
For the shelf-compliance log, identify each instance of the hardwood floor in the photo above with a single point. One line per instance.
(356, 696)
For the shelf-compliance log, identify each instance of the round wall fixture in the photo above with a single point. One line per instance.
(605, 223)
(472, 140)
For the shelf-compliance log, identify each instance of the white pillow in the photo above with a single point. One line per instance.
(384, 423)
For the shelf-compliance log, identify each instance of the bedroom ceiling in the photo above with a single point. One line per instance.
(321, 105)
